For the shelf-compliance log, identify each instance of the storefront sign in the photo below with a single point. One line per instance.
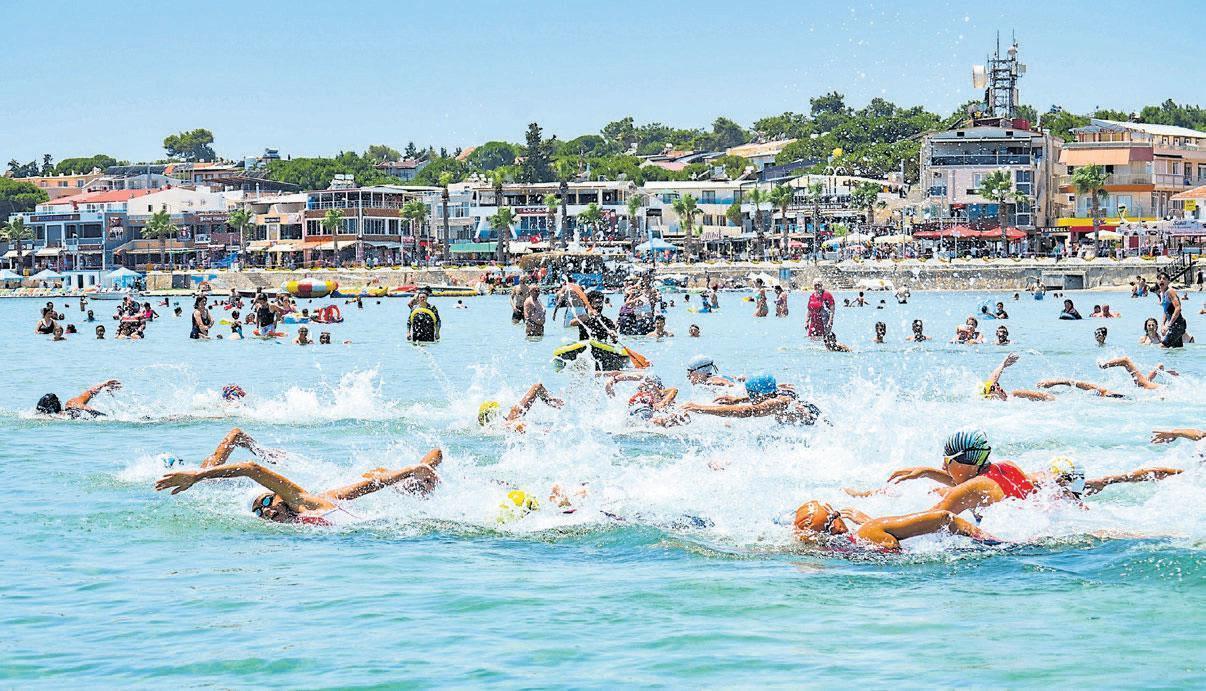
(53, 218)
(212, 216)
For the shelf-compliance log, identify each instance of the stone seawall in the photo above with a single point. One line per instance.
(973, 274)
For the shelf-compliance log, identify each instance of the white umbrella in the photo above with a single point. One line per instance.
(893, 239)
(1110, 235)
(6, 275)
(857, 237)
(48, 275)
(123, 272)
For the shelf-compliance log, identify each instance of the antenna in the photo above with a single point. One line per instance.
(999, 79)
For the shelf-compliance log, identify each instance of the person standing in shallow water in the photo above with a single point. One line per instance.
(780, 302)
(760, 306)
(820, 311)
(533, 313)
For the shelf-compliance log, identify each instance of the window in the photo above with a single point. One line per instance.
(708, 197)
(977, 178)
(1024, 179)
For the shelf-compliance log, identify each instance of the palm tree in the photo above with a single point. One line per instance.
(686, 209)
(998, 186)
(333, 223)
(866, 198)
(445, 181)
(16, 232)
(757, 197)
(816, 192)
(1091, 180)
(497, 180)
(551, 202)
(781, 196)
(635, 203)
(590, 217)
(414, 212)
(241, 220)
(501, 221)
(160, 227)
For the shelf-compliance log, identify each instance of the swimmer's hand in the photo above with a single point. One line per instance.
(915, 473)
(177, 482)
(690, 406)
(1010, 359)
(852, 514)
(860, 493)
(1165, 436)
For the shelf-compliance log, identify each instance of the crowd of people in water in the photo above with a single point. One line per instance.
(969, 477)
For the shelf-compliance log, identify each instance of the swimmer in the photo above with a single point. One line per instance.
(100, 332)
(1070, 477)
(1143, 382)
(992, 386)
(1151, 332)
(652, 402)
(324, 338)
(233, 392)
(702, 371)
(303, 336)
(78, 406)
(488, 411)
(881, 330)
(57, 334)
(918, 332)
(1099, 335)
(659, 328)
(816, 522)
(832, 345)
(693, 331)
(1001, 313)
(970, 479)
(288, 502)
(1003, 335)
(764, 397)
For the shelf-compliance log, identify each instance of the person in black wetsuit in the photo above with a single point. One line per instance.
(595, 325)
(78, 406)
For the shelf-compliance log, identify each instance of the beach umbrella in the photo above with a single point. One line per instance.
(857, 237)
(893, 239)
(1110, 235)
(123, 272)
(6, 275)
(48, 275)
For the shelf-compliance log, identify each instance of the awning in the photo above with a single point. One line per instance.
(472, 247)
(283, 247)
(259, 245)
(383, 244)
(12, 254)
(49, 252)
(1104, 157)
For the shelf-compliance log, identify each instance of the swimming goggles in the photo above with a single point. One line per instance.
(261, 504)
(957, 458)
(833, 516)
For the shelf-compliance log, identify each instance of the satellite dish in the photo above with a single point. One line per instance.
(979, 77)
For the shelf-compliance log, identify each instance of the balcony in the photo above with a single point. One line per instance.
(981, 160)
(936, 191)
(1112, 179)
(1173, 180)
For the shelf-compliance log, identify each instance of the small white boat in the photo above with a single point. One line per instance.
(111, 294)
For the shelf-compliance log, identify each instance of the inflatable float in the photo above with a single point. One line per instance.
(608, 357)
(328, 315)
(423, 325)
(295, 318)
(310, 287)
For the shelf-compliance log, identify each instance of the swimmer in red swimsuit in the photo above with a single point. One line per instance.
(972, 480)
(815, 521)
(288, 502)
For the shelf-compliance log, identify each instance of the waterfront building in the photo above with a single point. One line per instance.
(761, 154)
(954, 162)
(78, 232)
(275, 238)
(372, 229)
(1149, 167)
(199, 216)
(532, 229)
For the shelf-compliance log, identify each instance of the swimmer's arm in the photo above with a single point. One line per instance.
(290, 492)
(1141, 475)
(1009, 360)
(1032, 395)
(423, 471)
(233, 439)
(666, 400)
(722, 410)
(1165, 436)
(922, 473)
(965, 496)
(81, 401)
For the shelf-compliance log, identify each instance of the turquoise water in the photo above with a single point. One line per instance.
(106, 583)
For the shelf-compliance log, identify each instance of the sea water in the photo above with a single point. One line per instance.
(677, 568)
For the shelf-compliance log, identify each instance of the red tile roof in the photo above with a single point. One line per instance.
(99, 197)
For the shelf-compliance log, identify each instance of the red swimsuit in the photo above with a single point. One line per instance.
(1010, 479)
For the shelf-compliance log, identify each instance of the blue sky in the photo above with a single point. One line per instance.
(315, 78)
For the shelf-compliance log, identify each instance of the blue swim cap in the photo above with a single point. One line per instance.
(969, 446)
(701, 363)
(761, 385)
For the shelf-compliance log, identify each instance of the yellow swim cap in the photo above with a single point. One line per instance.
(986, 392)
(486, 411)
(517, 505)
(1067, 469)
